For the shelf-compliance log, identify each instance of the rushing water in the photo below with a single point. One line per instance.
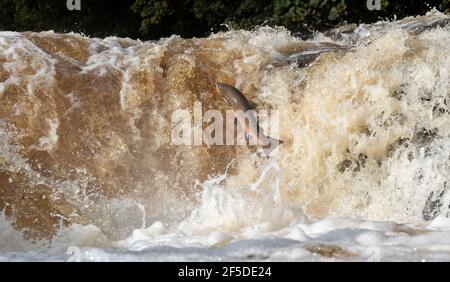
(87, 160)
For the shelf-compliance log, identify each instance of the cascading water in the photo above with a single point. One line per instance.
(86, 157)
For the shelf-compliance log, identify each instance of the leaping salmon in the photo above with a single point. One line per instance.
(243, 110)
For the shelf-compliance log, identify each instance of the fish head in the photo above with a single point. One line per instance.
(222, 87)
(225, 91)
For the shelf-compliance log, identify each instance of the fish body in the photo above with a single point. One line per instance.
(244, 110)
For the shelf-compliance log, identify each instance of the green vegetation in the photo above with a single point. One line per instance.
(151, 19)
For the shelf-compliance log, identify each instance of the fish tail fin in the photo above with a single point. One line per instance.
(272, 145)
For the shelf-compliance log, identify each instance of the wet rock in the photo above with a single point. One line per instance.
(424, 136)
(401, 228)
(356, 164)
(393, 147)
(413, 25)
(329, 251)
(432, 20)
(440, 109)
(344, 165)
(341, 32)
(304, 53)
(433, 204)
(399, 94)
(305, 59)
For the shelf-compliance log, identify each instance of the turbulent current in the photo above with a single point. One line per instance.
(88, 166)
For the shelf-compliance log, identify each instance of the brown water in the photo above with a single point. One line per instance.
(85, 127)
